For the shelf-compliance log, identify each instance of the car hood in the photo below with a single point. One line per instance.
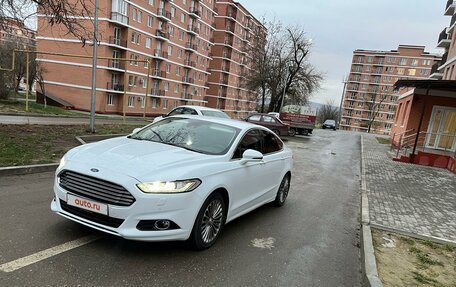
(135, 158)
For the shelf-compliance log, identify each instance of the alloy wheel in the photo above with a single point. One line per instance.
(212, 221)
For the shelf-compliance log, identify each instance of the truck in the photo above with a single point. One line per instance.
(301, 119)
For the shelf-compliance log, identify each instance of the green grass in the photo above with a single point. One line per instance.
(408, 241)
(383, 140)
(13, 106)
(424, 259)
(420, 278)
(33, 144)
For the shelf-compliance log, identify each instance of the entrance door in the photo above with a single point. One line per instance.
(442, 129)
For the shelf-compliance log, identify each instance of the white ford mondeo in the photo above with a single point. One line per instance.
(181, 178)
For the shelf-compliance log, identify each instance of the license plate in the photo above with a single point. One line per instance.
(87, 204)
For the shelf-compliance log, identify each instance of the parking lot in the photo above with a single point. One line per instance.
(312, 241)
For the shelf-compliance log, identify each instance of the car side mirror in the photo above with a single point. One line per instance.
(251, 155)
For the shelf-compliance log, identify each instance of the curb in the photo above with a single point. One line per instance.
(97, 117)
(27, 169)
(369, 265)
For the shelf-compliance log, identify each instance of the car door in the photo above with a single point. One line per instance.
(274, 163)
(270, 122)
(248, 180)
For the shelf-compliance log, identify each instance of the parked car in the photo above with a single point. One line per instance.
(301, 119)
(194, 110)
(329, 124)
(181, 178)
(277, 115)
(269, 121)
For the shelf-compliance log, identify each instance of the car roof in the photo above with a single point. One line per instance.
(199, 108)
(229, 122)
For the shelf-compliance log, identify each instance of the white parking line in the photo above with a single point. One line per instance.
(44, 254)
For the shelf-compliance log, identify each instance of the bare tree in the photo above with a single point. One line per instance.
(374, 102)
(280, 66)
(329, 111)
(59, 12)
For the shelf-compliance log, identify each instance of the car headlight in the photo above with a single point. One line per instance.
(62, 162)
(178, 186)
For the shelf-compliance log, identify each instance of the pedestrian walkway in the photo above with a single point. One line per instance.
(55, 120)
(409, 198)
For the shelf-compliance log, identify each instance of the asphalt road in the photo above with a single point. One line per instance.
(312, 241)
(33, 120)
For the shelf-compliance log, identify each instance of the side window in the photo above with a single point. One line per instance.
(188, 111)
(255, 118)
(251, 140)
(268, 119)
(178, 111)
(271, 143)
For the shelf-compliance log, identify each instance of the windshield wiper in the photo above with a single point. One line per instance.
(184, 147)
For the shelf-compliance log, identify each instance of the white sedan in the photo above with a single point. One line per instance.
(194, 110)
(181, 178)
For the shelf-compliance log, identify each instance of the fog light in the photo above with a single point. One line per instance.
(162, 224)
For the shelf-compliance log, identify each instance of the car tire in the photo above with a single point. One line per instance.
(292, 132)
(209, 219)
(282, 192)
(276, 132)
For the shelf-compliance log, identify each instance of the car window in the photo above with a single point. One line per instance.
(251, 140)
(176, 111)
(255, 118)
(192, 134)
(189, 111)
(271, 143)
(215, 114)
(268, 119)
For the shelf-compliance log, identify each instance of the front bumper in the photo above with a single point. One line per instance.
(181, 209)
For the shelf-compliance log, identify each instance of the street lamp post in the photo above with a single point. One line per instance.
(344, 81)
(94, 69)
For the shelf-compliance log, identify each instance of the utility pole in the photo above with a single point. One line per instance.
(27, 71)
(94, 69)
(344, 81)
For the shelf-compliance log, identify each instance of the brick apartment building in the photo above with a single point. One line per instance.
(16, 32)
(181, 40)
(372, 76)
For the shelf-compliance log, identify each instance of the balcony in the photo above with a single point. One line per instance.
(190, 46)
(187, 80)
(186, 96)
(157, 92)
(231, 14)
(228, 42)
(160, 54)
(450, 7)
(116, 64)
(119, 18)
(163, 14)
(227, 55)
(224, 82)
(189, 63)
(226, 69)
(195, 12)
(117, 41)
(452, 24)
(157, 73)
(114, 87)
(161, 35)
(443, 41)
(230, 28)
(193, 29)
(435, 73)
(444, 58)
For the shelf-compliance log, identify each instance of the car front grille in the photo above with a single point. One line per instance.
(95, 188)
(92, 216)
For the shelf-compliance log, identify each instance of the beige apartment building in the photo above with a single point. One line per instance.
(371, 79)
(15, 32)
(176, 37)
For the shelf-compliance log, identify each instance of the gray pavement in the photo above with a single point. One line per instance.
(316, 234)
(410, 198)
(35, 120)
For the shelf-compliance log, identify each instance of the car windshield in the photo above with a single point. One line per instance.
(215, 114)
(330, 122)
(191, 134)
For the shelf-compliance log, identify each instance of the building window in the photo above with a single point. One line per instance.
(131, 80)
(403, 61)
(414, 62)
(150, 21)
(154, 103)
(400, 71)
(131, 101)
(370, 59)
(176, 88)
(148, 43)
(142, 102)
(166, 87)
(165, 104)
(412, 72)
(110, 100)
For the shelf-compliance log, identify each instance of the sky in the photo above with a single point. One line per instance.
(338, 27)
